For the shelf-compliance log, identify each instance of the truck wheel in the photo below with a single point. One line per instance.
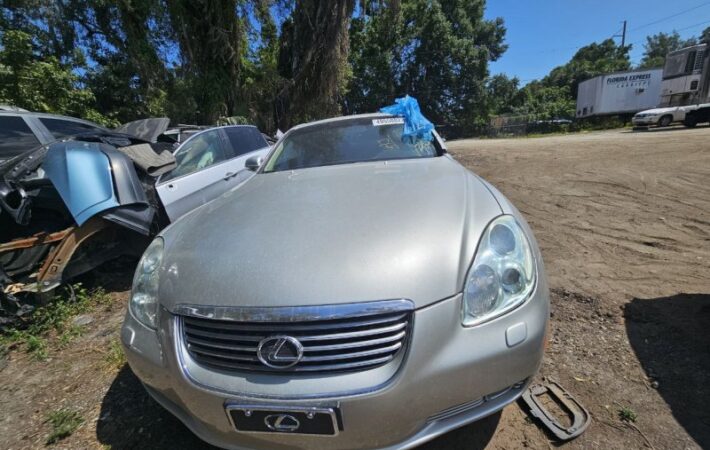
(665, 121)
(690, 121)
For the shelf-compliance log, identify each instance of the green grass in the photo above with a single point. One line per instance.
(64, 422)
(627, 414)
(69, 334)
(54, 318)
(115, 358)
(37, 347)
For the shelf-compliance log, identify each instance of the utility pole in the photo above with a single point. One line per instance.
(622, 35)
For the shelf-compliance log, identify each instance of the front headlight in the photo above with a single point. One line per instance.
(502, 275)
(144, 293)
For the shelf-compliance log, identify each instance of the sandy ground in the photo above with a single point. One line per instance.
(623, 220)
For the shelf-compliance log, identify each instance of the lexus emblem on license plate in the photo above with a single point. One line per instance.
(284, 423)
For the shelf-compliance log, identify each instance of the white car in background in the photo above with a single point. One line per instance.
(662, 117)
(209, 163)
(689, 115)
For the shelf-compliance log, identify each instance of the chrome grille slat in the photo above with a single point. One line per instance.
(314, 368)
(378, 351)
(352, 334)
(229, 356)
(384, 340)
(333, 344)
(223, 335)
(287, 327)
(223, 346)
(311, 337)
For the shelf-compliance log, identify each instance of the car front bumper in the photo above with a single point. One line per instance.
(450, 376)
(644, 121)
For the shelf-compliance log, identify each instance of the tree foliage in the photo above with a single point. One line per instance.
(313, 60)
(436, 51)
(43, 85)
(705, 36)
(589, 61)
(277, 63)
(555, 95)
(504, 94)
(659, 45)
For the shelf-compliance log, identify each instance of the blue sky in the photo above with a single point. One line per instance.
(543, 34)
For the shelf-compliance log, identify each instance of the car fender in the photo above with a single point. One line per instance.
(93, 178)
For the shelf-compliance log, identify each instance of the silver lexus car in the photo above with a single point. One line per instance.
(360, 291)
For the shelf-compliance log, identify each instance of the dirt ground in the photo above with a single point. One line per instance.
(623, 220)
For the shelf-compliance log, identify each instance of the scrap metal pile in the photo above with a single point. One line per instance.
(69, 206)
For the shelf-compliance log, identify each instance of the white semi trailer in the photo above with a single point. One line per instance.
(619, 93)
(685, 90)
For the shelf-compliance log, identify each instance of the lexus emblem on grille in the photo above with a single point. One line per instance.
(280, 352)
(284, 423)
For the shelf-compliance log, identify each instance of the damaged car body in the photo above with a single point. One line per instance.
(69, 206)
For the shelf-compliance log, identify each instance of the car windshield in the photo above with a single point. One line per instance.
(347, 141)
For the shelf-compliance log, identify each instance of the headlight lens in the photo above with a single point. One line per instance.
(502, 275)
(144, 294)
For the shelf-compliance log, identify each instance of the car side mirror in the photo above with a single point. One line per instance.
(254, 163)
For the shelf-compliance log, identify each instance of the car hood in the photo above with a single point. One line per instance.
(146, 129)
(328, 235)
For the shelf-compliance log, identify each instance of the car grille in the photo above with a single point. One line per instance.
(328, 345)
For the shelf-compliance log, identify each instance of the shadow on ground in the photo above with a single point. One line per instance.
(656, 129)
(130, 419)
(671, 338)
(471, 437)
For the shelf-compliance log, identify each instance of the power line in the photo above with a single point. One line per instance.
(621, 30)
(679, 29)
(693, 26)
(670, 17)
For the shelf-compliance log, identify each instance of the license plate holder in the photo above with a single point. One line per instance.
(320, 421)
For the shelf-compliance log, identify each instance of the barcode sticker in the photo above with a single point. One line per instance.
(388, 121)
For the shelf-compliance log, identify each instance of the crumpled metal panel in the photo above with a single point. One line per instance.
(93, 178)
(81, 173)
(146, 129)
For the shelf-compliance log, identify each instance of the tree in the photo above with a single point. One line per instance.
(262, 81)
(275, 62)
(313, 59)
(375, 41)
(659, 45)
(503, 94)
(436, 51)
(45, 22)
(212, 37)
(705, 36)
(544, 102)
(43, 84)
(554, 95)
(589, 61)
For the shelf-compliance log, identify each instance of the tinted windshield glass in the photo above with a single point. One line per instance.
(63, 128)
(15, 137)
(245, 139)
(344, 142)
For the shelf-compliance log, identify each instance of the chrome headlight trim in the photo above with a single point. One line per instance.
(503, 274)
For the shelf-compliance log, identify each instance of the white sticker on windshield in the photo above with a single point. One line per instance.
(388, 121)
